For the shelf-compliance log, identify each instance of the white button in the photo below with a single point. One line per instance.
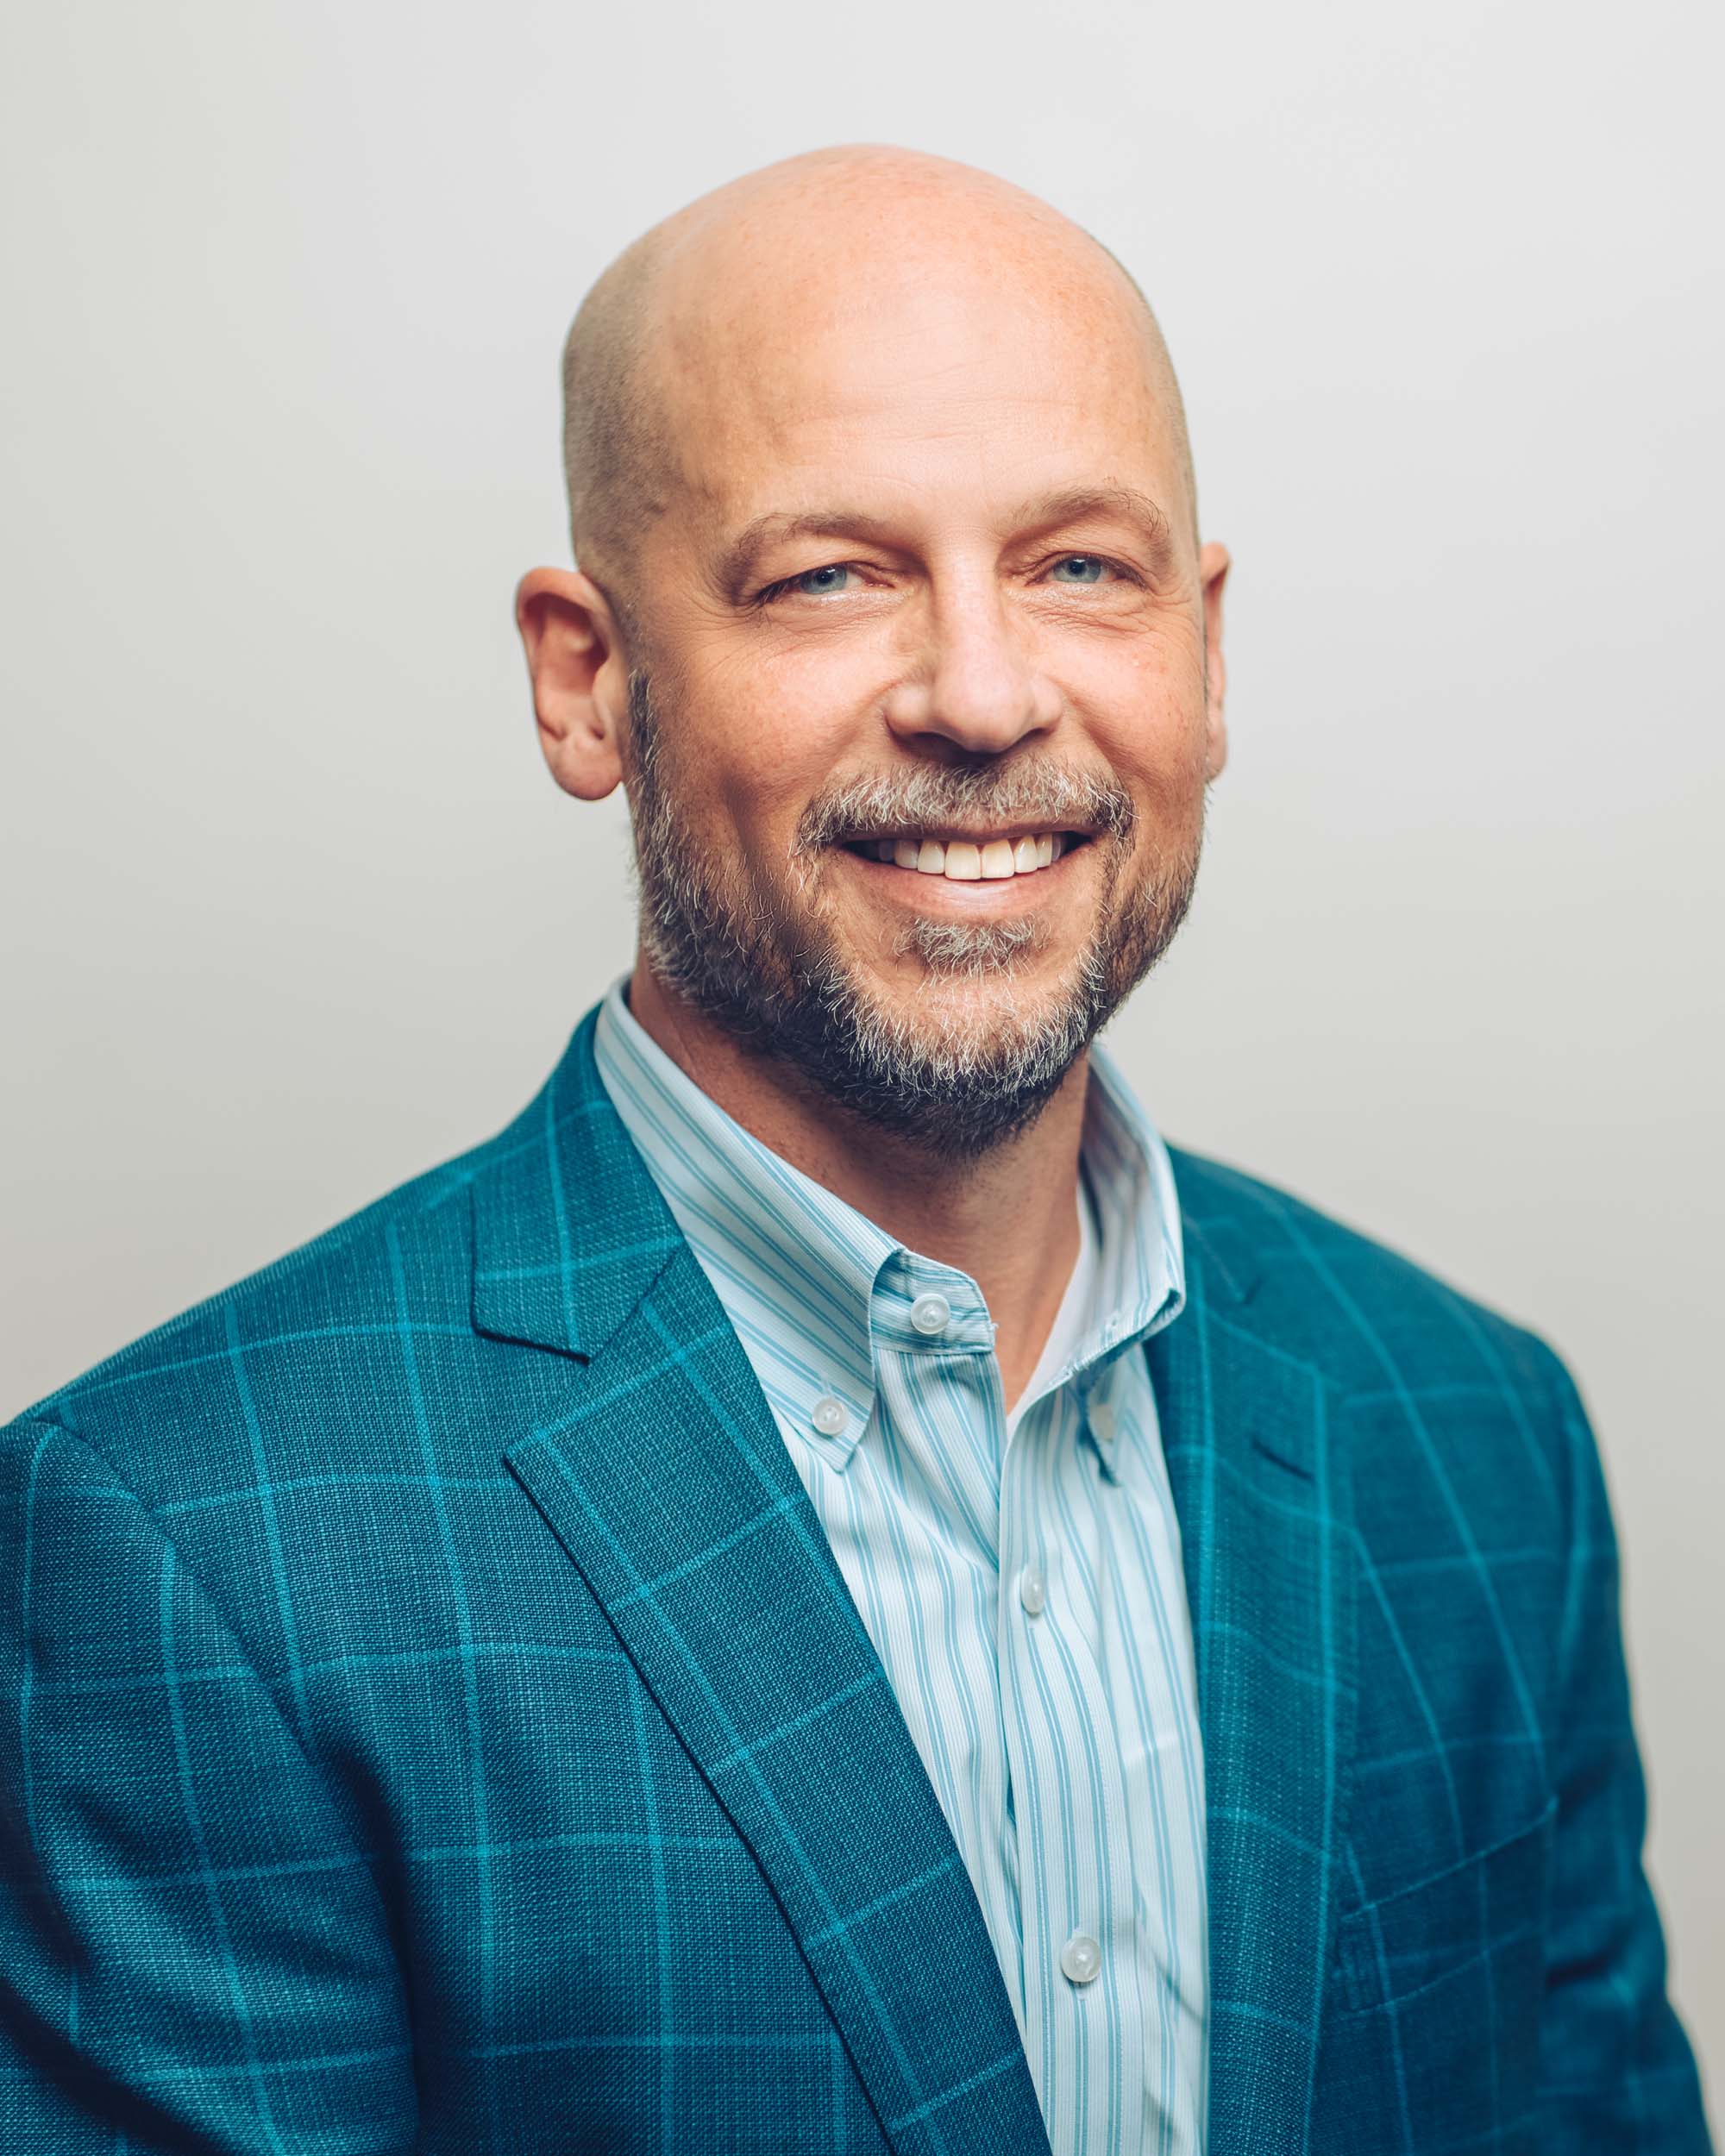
(930, 1314)
(1033, 1593)
(1081, 1959)
(828, 1416)
(1101, 1422)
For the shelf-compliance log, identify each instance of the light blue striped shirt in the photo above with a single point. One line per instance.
(1019, 1575)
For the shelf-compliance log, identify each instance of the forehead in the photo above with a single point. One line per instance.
(942, 382)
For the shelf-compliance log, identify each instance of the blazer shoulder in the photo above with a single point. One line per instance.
(1372, 1318)
(308, 1313)
(392, 1330)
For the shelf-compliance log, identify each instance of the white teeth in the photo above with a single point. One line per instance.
(963, 860)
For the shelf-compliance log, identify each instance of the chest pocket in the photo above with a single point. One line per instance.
(1477, 1926)
(1434, 2037)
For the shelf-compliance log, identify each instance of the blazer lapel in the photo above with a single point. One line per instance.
(1262, 1489)
(668, 1483)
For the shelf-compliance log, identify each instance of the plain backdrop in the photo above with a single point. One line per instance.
(291, 911)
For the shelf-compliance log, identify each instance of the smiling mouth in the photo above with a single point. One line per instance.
(970, 861)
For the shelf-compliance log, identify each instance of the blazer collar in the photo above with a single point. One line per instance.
(704, 1552)
(666, 1481)
(570, 1231)
(1261, 1483)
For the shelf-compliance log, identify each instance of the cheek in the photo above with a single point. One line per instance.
(1145, 711)
(765, 731)
(751, 768)
(1149, 728)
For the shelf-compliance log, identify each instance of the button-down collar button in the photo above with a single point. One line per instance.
(1081, 1959)
(828, 1415)
(1101, 1422)
(1033, 1594)
(931, 1314)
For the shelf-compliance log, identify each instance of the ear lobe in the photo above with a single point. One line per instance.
(1212, 566)
(579, 677)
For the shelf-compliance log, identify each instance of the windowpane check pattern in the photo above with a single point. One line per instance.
(434, 1720)
(1019, 1574)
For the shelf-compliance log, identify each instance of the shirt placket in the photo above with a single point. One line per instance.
(1084, 2021)
(942, 1431)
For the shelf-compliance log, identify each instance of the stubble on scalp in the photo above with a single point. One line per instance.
(771, 974)
(620, 462)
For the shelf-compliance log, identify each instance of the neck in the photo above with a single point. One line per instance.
(1008, 1218)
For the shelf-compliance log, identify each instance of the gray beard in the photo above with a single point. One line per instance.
(775, 981)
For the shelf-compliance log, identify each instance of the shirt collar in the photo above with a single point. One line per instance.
(796, 1266)
(1141, 1262)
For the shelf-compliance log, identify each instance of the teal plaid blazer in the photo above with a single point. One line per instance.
(437, 1721)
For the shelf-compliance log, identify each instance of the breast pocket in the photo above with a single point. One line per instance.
(1438, 1988)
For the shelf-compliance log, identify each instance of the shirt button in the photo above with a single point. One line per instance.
(930, 1314)
(1101, 1422)
(1081, 1959)
(1033, 1594)
(828, 1415)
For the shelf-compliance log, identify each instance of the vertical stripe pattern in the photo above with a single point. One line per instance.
(1019, 1575)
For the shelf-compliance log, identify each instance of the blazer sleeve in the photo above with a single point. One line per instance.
(1616, 2074)
(194, 1954)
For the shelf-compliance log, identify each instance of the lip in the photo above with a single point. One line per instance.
(997, 894)
(948, 834)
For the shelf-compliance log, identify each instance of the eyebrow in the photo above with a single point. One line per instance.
(1125, 504)
(731, 570)
(1041, 513)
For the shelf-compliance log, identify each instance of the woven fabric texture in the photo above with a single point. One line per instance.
(436, 1722)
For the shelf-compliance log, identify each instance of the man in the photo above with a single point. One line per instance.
(824, 1590)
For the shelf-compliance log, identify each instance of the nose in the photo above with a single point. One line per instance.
(976, 687)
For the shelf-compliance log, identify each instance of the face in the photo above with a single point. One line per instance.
(919, 722)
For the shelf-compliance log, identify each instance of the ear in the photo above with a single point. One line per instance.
(580, 678)
(1212, 570)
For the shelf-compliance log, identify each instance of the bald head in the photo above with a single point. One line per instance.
(788, 256)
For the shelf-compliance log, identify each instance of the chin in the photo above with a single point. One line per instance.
(966, 1005)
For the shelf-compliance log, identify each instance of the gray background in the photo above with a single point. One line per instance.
(290, 910)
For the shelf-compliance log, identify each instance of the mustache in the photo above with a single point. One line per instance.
(1047, 796)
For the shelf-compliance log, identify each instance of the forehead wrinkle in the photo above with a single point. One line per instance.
(821, 392)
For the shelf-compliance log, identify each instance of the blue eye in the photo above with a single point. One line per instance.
(821, 583)
(1089, 568)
